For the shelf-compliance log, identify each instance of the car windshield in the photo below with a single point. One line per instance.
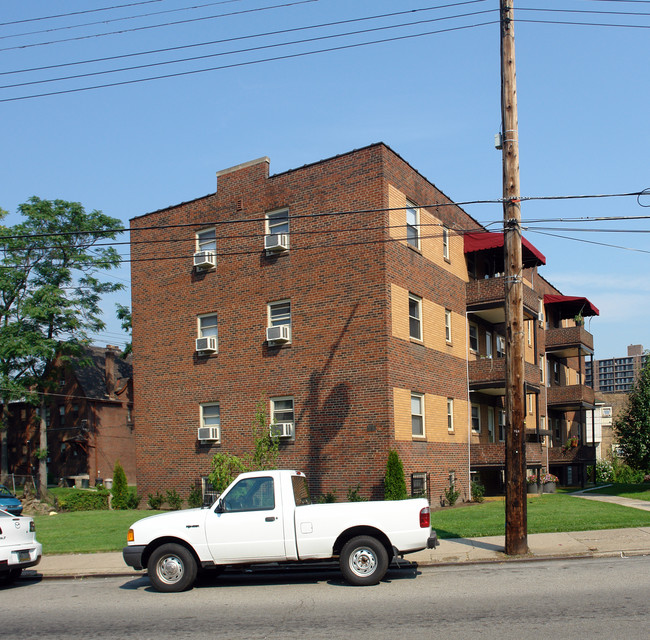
(5, 493)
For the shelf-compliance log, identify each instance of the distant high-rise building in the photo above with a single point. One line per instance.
(616, 375)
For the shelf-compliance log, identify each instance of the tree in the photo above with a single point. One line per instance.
(632, 426)
(120, 489)
(124, 315)
(226, 466)
(50, 295)
(394, 482)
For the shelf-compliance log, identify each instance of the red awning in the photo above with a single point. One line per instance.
(572, 305)
(485, 240)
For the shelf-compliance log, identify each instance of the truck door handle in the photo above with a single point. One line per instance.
(270, 519)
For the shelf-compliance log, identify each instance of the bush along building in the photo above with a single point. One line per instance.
(366, 310)
(88, 418)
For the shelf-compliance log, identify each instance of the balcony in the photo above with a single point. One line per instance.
(565, 342)
(491, 455)
(486, 299)
(488, 375)
(561, 455)
(570, 397)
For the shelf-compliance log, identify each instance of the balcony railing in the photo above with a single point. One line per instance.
(486, 298)
(490, 374)
(567, 341)
(484, 455)
(570, 396)
(581, 453)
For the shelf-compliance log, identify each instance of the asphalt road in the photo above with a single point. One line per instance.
(586, 598)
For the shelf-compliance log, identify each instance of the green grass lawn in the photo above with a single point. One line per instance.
(637, 491)
(546, 513)
(86, 531)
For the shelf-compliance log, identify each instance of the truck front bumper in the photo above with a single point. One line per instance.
(133, 556)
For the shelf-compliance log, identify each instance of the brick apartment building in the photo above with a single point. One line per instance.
(89, 422)
(365, 309)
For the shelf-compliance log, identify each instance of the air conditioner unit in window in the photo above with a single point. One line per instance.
(281, 430)
(207, 344)
(208, 433)
(205, 260)
(279, 334)
(276, 242)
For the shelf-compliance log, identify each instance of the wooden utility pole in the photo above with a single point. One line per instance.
(516, 517)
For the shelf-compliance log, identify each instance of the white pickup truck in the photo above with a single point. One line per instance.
(267, 516)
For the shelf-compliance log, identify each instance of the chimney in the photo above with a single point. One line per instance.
(109, 369)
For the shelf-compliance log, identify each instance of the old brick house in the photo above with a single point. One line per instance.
(89, 421)
(350, 297)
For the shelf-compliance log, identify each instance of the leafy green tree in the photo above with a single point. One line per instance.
(124, 315)
(50, 294)
(394, 482)
(120, 490)
(226, 466)
(632, 426)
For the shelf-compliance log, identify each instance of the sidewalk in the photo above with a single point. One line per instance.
(608, 542)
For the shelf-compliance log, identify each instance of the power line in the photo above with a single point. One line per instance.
(107, 21)
(247, 50)
(601, 244)
(76, 13)
(263, 218)
(237, 38)
(156, 26)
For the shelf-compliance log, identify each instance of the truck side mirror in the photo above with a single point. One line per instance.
(220, 507)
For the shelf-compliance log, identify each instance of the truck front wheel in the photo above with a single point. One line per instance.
(171, 568)
(363, 561)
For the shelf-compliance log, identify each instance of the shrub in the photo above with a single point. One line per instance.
(354, 495)
(195, 499)
(155, 500)
(604, 471)
(132, 499)
(174, 500)
(478, 491)
(120, 488)
(84, 501)
(624, 474)
(328, 497)
(451, 495)
(394, 482)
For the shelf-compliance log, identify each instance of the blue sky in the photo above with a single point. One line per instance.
(435, 99)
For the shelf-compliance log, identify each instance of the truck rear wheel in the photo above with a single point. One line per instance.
(363, 561)
(172, 568)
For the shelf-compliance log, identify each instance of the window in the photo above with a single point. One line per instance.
(541, 369)
(282, 418)
(502, 425)
(206, 240)
(556, 372)
(211, 417)
(277, 222)
(476, 418)
(251, 494)
(488, 344)
(415, 317)
(530, 402)
(448, 325)
(279, 313)
(419, 485)
(450, 415)
(62, 411)
(490, 416)
(530, 332)
(473, 338)
(417, 415)
(445, 243)
(208, 334)
(208, 326)
(412, 225)
(501, 347)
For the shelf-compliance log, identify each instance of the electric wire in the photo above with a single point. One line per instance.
(237, 38)
(239, 51)
(109, 20)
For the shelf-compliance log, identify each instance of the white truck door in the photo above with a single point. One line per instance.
(249, 526)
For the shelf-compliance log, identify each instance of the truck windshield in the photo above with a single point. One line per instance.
(300, 490)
